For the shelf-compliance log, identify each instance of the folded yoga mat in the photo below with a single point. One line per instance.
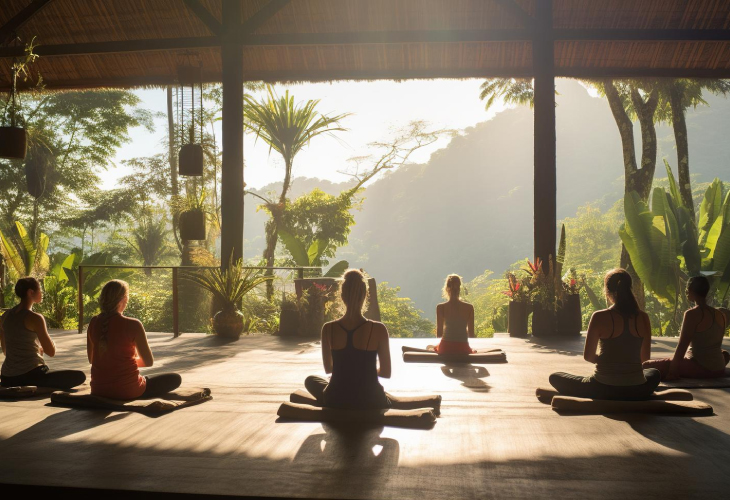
(565, 404)
(405, 349)
(546, 395)
(432, 357)
(432, 401)
(172, 401)
(24, 391)
(699, 383)
(422, 418)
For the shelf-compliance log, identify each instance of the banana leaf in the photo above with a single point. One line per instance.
(316, 250)
(673, 188)
(295, 248)
(710, 208)
(337, 270)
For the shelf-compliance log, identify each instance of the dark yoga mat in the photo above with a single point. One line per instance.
(405, 349)
(565, 404)
(180, 398)
(24, 391)
(418, 419)
(431, 401)
(546, 395)
(432, 357)
(699, 383)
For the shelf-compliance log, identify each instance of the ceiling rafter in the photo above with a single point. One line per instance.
(16, 22)
(517, 12)
(262, 16)
(205, 16)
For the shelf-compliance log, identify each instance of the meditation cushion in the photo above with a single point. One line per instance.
(597, 406)
(432, 357)
(175, 400)
(545, 395)
(398, 402)
(405, 348)
(24, 391)
(422, 418)
(699, 383)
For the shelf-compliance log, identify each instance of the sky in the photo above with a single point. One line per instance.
(378, 110)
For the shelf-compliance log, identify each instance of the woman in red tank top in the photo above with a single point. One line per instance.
(117, 347)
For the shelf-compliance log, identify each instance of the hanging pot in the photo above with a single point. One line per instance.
(517, 319)
(13, 143)
(190, 160)
(569, 317)
(192, 225)
(228, 323)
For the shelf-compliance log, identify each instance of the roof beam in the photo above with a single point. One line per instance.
(637, 35)
(22, 17)
(379, 37)
(262, 16)
(205, 16)
(516, 12)
(77, 49)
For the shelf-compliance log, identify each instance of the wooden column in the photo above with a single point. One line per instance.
(232, 136)
(545, 187)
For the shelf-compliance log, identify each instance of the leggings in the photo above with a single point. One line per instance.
(316, 386)
(41, 376)
(157, 385)
(688, 367)
(588, 387)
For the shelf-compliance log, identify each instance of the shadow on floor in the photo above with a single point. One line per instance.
(470, 376)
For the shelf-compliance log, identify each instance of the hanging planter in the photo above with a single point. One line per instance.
(13, 143)
(190, 157)
(192, 225)
(13, 136)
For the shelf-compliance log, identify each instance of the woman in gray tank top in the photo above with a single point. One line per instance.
(618, 340)
(703, 330)
(25, 339)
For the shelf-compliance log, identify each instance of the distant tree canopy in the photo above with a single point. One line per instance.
(400, 314)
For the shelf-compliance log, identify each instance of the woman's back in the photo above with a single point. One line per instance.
(22, 349)
(706, 345)
(619, 359)
(114, 369)
(456, 318)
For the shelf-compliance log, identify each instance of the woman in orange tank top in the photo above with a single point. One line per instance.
(117, 347)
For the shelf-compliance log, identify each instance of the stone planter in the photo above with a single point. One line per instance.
(228, 323)
(289, 319)
(517, 319)
(543, 321)
(569, 316)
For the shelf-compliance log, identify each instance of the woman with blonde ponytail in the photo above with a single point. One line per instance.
(623, 333)
(454, 320)
(117, 347)
(352, 348)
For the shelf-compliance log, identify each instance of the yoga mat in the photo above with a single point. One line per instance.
(546, 395)
(597, 406)
(432, 357)
(699, 383)
(175, 400)
(24, 391)
(433, 401)
(405, 348)
(422, 418)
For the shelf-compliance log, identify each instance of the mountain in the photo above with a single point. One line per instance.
(470, 207)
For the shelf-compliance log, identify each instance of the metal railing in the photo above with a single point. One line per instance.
(175, 275)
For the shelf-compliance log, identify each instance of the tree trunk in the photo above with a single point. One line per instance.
(272, 228)
(172, 158)
(679, 124)
(642, 181)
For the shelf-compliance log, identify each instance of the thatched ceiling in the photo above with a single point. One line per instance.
(93, 43)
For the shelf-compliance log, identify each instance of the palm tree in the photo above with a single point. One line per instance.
(517, 91)
(149, 241)
(287, 127)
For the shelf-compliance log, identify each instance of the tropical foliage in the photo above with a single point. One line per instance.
(400, 314)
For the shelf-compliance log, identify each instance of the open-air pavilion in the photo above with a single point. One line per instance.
(493, 438)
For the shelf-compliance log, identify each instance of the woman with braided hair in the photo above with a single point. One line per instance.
(623, 333)
(117, 347)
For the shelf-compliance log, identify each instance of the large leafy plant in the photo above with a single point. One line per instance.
(24, 255)
(306, 257)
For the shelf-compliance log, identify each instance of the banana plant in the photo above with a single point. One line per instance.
(59, 296)
(94, 277)
(305, 257)
(24, 256)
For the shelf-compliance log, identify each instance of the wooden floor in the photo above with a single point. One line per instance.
(493, 440)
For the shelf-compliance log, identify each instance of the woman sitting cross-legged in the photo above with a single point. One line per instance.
(25, 339)
(623, 333)
(454, 320)
(703, 330)
(352, 346)
(117, 347)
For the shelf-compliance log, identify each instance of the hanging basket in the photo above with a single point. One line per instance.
(517, 319)
(190, 160)
(13, 143)
(192, 225)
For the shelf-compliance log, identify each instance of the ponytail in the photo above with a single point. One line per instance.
(354, 290)
(618, 287)
(111, 295)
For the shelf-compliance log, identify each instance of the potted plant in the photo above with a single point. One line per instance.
(190, 158)
(542, 298)
(191, 210)
(517, 309)
(228, 288)
(13, 136)
(569, 315)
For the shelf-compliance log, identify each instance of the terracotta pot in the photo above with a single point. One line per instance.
(13, 143)
(569, 316)
(190, 160)
(517, 319)
(543, 321)
(228, 323)
(192, 225)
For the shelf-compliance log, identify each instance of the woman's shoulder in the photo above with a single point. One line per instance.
(378, 327)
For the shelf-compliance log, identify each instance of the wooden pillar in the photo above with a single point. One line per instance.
(232, 136)
(545, 186)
